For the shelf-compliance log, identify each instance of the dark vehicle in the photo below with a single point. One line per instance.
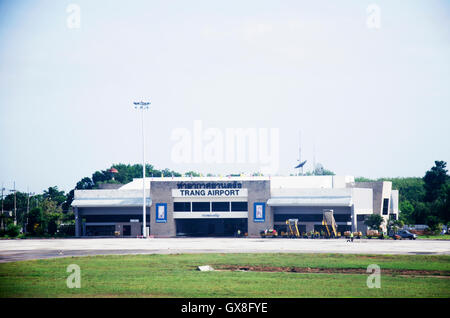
(404, 234)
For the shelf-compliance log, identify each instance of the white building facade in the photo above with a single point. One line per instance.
(212, 206)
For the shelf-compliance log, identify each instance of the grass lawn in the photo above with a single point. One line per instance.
(176, 276)
(434, 237)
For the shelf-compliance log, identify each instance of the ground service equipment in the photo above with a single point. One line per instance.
(292, 228)
(269, 233)
(330, 223)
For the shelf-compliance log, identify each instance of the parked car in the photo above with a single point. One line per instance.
(394, 235)
(405, 234)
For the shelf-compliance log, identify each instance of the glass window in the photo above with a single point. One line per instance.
(393, 216)
(311, 217)
(113, 218)
(342, 217)
(385, 206)
(300, 217)
(239, 206)
(221, 206)
(201, 206)
(182, 206)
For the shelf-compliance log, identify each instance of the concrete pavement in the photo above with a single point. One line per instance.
(15, 250)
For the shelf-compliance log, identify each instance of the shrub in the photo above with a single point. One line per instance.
(67, 230)
(13, 230)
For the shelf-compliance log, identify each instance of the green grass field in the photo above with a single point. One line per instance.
(176, 276)
(434, 237)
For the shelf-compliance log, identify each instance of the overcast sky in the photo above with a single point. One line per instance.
(372, 99)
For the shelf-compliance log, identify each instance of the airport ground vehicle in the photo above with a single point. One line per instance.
(269, 233)
(329, 223)
(373, 234)
(292, 228)
(357, 235)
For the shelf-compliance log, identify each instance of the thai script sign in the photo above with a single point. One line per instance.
(183, 193)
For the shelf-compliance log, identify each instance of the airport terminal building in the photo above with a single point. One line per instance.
(213, 206)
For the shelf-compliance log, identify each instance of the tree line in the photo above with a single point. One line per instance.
(424, 200)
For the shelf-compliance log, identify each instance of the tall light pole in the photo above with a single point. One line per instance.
(28, 208)
(1, 225)
(143, 106)
(15, 205)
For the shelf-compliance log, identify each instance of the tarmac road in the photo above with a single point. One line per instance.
(17, 250)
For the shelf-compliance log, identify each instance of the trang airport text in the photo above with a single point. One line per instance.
(218, 193)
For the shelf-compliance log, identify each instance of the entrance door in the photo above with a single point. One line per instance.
(212, 228)
(127, 230)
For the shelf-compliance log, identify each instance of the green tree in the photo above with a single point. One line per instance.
(13, 230)
(21, 205)
(319, 170)
(68, 217)
(423, 200)
(421, 212)
(374, 221)
(126, 173)
(100, 176)
(436, 180)
(444, 212)
(406, 212)
(66, 206)
(364, 179)
(85, 184)
(52, 214)
(394, 225)
(36, 223)
(168, 173)
(436, 184)
(192, 174)
(411, 189)
(53, 194)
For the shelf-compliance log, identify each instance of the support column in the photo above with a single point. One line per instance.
(77, 223)
(354, 219)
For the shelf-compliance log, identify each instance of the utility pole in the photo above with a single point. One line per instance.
(28, 208)
(143, 106)
(2, 216)
(15, 205)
